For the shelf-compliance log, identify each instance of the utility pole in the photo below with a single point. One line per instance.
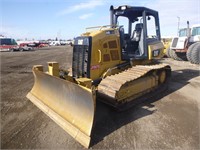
(59, 34)
(178, 24)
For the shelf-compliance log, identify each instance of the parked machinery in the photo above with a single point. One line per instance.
(110, 64)
(187, 45)
(193, 52)
(166, 42)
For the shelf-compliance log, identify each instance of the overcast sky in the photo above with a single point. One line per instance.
(43, 19)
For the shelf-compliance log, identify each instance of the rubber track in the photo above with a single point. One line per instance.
(112, 84)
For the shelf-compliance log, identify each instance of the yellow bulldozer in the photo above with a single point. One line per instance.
(115, 64)
(166, 42)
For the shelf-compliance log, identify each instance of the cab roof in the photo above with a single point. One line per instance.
(133, 12)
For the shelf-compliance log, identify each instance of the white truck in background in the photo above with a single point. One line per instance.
(187, 45)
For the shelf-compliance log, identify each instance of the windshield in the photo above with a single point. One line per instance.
(183, 32)
(196, 31)
(7, 41)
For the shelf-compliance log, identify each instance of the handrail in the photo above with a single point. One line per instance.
(101, 27)
(99, 55)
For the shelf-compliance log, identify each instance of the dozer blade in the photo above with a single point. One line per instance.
(68, 104)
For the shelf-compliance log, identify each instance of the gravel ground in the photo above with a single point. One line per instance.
(168, 121)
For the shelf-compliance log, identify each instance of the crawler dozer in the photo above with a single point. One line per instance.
(111, 63)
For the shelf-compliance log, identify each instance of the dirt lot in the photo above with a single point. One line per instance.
(167, 121)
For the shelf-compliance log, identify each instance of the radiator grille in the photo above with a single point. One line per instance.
(81, 60)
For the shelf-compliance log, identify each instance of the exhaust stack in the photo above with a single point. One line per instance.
(188, 29)
(112, 16)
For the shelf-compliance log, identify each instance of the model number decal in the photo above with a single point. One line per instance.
(156, 53)
(94, 67)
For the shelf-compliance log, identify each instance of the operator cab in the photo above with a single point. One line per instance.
(138, 27)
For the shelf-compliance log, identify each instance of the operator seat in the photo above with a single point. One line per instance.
(137, 32)
(134, 45)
